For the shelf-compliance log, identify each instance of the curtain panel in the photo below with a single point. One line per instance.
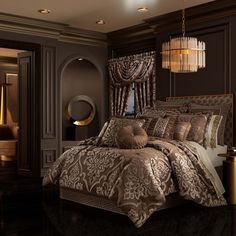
(124, 71)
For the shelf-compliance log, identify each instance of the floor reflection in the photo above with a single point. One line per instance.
(23, 212)
(67, 218)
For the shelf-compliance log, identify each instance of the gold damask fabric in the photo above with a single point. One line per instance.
(136, 180)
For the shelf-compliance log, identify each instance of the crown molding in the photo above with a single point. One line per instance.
(87, 37)
(48, 29)
(131, 34)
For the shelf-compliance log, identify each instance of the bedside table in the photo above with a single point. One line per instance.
(229, 176)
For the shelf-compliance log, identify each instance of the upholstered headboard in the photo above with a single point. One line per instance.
(211, 100)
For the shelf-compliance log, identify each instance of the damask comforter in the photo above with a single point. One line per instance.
(138, 180)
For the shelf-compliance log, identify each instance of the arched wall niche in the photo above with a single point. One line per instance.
(80, 76)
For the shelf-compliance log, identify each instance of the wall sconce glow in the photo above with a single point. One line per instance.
(142, 9)
(100, 22)
(44, 11)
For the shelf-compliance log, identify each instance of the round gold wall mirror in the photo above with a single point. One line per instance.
(81, 110)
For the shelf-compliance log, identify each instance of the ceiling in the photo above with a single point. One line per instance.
(83, 14)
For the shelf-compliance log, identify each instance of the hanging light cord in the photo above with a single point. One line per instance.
(183, 22)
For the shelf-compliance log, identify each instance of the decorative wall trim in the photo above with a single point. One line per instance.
(49, 92)
(86, 37)
(58, 31)
(48, 157)
(131, 34)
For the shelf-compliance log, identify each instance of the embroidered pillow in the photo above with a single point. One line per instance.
(198, 126)
(181, 130)
(131, 137)
(115, 124)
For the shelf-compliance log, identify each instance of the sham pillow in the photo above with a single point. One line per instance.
(198, 126)
(177, 106)
(162, 127)
(182, 129)
(115, 124)
(156, 113)
(131, 137)
(221, 110)
(211, 134)
(151, 112)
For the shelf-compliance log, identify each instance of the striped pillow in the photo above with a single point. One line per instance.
(162, 127)
(222, 110)
(212, 128)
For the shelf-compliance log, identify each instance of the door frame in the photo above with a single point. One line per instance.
(35, 123)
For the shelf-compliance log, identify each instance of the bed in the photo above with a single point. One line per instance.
(138, 182)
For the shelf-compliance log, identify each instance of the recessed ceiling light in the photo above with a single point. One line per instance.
(100, 22)
(80, 59)
(142, 9)
(44, 11)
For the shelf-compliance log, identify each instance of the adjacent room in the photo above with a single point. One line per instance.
(117, 117)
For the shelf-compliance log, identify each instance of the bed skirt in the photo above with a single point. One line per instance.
(107, 204)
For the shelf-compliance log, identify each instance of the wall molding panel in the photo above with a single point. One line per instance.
(49, 92)
(48, 157)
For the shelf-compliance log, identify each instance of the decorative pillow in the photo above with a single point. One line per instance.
(156, 113)
(115, 124)
(181, 130)
(162, 127)
(151, 112)
(198, 126)
(131, 137)
(177, 106)
(221, 110)
(211, 133)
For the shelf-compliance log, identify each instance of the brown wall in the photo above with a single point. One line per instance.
(81, 78)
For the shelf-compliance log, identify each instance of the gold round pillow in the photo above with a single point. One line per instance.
(131, 137)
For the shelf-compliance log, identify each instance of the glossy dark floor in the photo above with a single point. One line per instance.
(25, 210)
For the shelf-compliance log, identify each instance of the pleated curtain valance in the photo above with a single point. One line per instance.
(124, 71)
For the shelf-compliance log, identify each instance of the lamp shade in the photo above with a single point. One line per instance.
(183, 55)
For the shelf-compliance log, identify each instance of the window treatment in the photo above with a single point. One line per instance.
(124, 71)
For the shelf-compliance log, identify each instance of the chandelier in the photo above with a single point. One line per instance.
(183, 54)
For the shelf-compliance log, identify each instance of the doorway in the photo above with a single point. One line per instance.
(20, 78)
